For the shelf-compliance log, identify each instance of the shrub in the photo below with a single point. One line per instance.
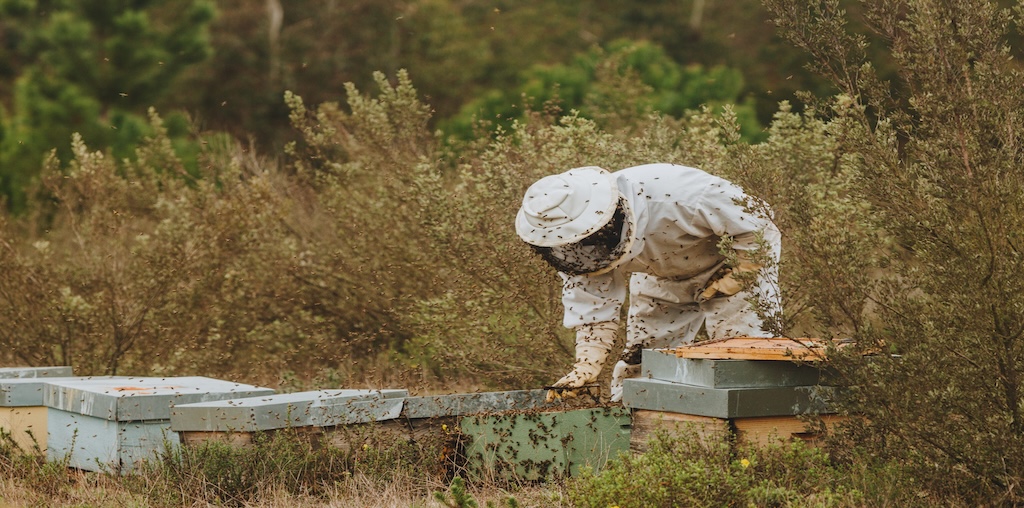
(140, 267)
(687, 470)
(936, 158)
(614, 86)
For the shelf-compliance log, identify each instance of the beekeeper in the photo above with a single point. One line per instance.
(662, 224)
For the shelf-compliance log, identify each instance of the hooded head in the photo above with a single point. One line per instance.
(561, 209)
(576, 221)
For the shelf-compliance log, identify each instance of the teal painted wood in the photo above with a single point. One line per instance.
(593, 439)
(710, 373)
(140, 398)
(98, 444)
(288, 410)
(460, 404)
(334, 412)
(33, 372)
(544, 446)
(28, 391)
(658, 395)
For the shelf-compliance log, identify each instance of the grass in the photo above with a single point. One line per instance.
(288, 469)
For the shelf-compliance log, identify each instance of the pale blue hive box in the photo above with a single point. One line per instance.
(22, 413)
(114, 424)
(318, 408)
(717, 373)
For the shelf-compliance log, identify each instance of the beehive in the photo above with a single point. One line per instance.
(759, 390)
(104, 424)
(544, 444)
(22, 414)
(238, 420)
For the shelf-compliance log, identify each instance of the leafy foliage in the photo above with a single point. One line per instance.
(611, 86)
(688, 470)
(938, 169)
(144, 268)
(287, 467)
(93, 69)
(297, 463)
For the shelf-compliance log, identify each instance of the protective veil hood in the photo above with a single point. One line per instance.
(565, 208)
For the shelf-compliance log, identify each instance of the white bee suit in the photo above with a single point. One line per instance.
(661, 224)
(677, 216)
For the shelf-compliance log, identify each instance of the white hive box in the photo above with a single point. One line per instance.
(114, 424)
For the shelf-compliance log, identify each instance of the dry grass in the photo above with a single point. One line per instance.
(97, 489)
(77, 488)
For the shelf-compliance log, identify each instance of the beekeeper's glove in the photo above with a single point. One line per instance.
(593, 342)
(728, 285)
(620, 373)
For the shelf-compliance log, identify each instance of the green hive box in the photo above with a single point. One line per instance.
(543, 445)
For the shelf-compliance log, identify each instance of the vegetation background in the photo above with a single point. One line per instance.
(319, 193)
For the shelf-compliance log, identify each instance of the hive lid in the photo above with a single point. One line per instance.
(333, 412)
(730, 373)
(34, 372)
(28, 391)
(140, 398)
(432, 406)
(286, 410)
(760, 348)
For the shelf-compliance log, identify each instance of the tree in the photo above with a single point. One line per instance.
(934, 165)
(93, 68)
(612, 85)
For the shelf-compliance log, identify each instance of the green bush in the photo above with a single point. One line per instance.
(935, 159)
(615, 86)
(91, 72)
(238, 475)
(49, 479)
(687, 470)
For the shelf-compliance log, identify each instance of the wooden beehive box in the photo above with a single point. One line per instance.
(545, 443)
(112, 424)
(22, 413)
(755, 389)
(311, 413)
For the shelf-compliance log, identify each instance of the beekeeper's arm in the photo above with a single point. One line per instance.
(592, 307)
(729, 284)
(722, 212)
